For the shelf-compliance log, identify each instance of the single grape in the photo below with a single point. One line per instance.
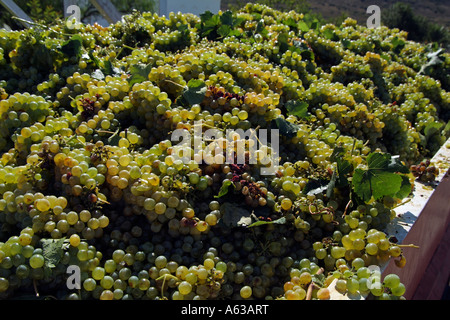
(36, 261)
(246, 292)
(323, 294)
(391, 281)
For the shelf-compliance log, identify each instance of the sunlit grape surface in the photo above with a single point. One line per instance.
(91, 177)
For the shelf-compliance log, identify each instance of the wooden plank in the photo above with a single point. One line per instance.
(407, 213)
(15, 10)
(436, 276)
(107, 10)
(429, 232)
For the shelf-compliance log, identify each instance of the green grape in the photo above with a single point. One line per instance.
(185, 287)
(4, 284)
(363, 285)
(376, 289)
(107, 282)
(194, 178)
(384, 244)
(341, 285)
(208, 263)
(110, 266)
(221, 266)
(160, 208)
(133, 281)
(337, 252)
(37, 261)
(90, 157)
(246, 292)
(321, 254)
(357, 263)
(323, 294)
(42, 205)
(352, 285)
(27, 251)
(160, 262)
(399, 290)
(89, 284)
(395, 251)
(391, 281)
(107, 295)
(363, 272)
(191, 278)
(22, 271)
(371, 248)
(118, 255)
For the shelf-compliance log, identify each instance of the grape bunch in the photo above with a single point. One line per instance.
(308, 282)
(425, 171)
(136, 153)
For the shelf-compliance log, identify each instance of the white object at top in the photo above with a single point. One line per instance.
(188, 6)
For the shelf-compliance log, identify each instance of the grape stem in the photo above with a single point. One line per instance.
(207, 126)
(114, 134)
(35, 288)
(40, 25)
(326, 210)
(407, 246)
(104, 201)
(353, 147)
(177, 84)
(163, 277)
(84, 144)
(402, 203)
(312, 285)
(128, 47)
(346, 207)
(105, 131)
(253, 133)
(30, 22)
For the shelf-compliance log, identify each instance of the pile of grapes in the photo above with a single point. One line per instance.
(92, 181)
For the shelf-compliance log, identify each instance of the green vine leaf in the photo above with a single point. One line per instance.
(380, 179)
(53, 250)
(329, 34)
(72, 47)
(297, 108)
(281, 220)
(432, 128)
(303, 26)
(193, 93)
(397, 44)
(405, 188)
(224, 188)
(319, 279)
(287, 129)
(139, 73)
